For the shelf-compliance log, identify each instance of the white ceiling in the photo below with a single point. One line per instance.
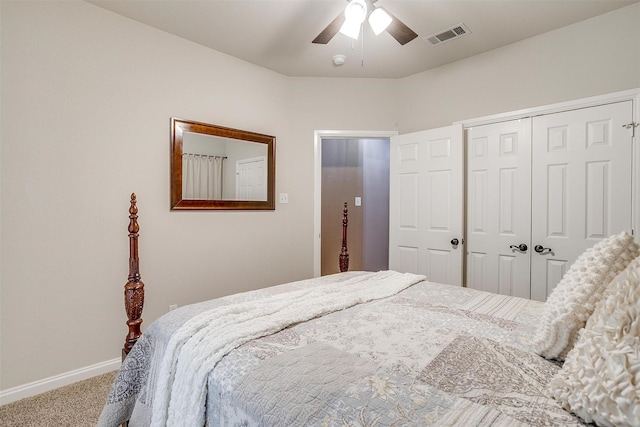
(277, 34)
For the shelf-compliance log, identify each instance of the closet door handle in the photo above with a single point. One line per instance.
(521, 247)
(541, 249)
(455, 242)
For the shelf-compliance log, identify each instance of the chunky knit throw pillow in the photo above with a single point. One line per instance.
(600, 380)
(574, 298)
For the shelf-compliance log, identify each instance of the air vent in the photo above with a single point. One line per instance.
(452, 33)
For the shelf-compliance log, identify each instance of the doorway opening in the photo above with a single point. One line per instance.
(352, 167)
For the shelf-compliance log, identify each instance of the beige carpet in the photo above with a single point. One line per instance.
(75, 405)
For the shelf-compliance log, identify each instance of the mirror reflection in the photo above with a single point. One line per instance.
(214, 167)
(218, 168)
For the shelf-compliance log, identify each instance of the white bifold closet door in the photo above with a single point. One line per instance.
(426, 204)
(557, 183)
(499, 207)
(581, 189)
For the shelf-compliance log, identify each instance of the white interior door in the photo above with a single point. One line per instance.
(426, 204)
(581, 190)
(499, 207)
(251, 179)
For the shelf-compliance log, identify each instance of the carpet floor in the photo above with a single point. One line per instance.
(75, 405)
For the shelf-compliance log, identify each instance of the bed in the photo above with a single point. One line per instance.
(372, 349)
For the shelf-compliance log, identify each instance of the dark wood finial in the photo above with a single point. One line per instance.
(134, 289)
(344, 255)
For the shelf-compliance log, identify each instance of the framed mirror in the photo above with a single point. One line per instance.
(215, 167)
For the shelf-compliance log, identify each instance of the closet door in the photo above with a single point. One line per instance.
(499, 207)
(581, 192)
(426, 204)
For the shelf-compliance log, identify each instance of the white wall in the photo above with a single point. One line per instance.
(86, 98)
(86, 103)
(593, 57)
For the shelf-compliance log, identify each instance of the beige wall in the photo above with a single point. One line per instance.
(593, 57)
(86, 97)
(86, 101)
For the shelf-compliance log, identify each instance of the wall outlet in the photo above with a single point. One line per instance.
(284, 197)
(173, 307)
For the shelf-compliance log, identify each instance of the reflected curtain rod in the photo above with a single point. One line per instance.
(205, 155)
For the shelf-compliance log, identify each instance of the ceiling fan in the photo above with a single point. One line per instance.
(350, 21)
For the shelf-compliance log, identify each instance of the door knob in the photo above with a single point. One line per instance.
(541, 249)
(521, 247)
(455, 242)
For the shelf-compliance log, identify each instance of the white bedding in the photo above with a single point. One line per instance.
(429, 354)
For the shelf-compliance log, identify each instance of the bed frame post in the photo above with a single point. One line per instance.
(134, 289)
(344, 255)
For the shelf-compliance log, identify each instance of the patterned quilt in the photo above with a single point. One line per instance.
(431, 355)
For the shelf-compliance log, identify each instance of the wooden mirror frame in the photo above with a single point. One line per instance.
(178, 127)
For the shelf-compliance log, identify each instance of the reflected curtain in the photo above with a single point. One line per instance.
(201, 177)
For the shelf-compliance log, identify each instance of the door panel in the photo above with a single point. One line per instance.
(251, 176)
(405, 259)
(581, 192)
(499, 207)
(426, 206)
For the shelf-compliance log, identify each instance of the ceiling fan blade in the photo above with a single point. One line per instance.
(331, 30)
(399, 30)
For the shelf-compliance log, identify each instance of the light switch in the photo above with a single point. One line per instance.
(358, 201)
(284, 197)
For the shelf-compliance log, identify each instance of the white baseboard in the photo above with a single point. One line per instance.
(47, 384)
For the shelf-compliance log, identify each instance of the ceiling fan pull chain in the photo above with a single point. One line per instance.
(362, 52)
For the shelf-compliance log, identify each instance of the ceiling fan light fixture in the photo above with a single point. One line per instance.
(354, 14)
(379, 20)
(356, 11)
(351, 29)
(351, 19)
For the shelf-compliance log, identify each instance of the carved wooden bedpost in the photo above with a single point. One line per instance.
(344, 255)
(134, 289)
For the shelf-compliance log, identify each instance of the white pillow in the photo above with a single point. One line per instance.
(600, 380)
(574, 298)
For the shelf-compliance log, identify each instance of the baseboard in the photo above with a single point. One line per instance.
(51, 383)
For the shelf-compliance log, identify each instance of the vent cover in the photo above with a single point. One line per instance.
(452, 33)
